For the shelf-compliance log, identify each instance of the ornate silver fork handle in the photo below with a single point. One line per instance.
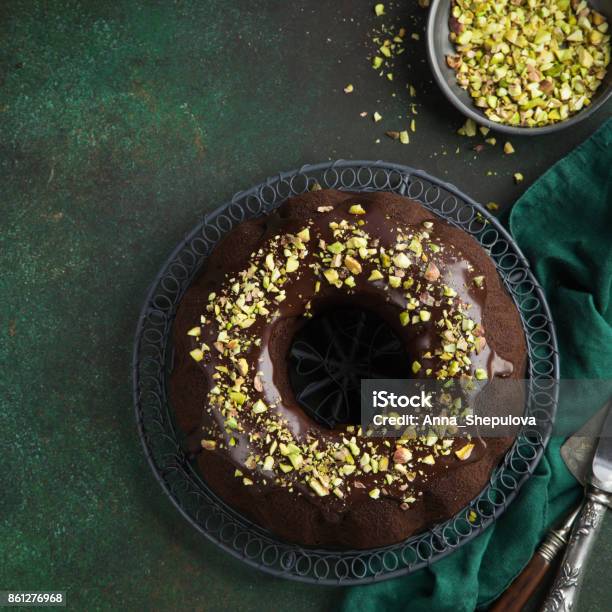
(565, 588)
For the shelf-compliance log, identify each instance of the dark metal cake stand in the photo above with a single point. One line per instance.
(163, 443)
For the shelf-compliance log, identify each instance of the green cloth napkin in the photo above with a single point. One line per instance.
(563, 225)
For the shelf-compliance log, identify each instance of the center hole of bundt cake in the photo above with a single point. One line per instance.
(332, 353)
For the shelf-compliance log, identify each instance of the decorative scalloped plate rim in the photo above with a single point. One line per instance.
(234, 533)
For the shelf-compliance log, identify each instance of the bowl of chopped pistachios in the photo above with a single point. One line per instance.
(522, 66)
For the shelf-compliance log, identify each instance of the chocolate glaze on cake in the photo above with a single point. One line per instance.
(255, 446)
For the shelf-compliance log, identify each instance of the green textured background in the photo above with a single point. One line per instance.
(120, 123)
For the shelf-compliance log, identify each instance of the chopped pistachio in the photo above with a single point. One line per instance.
(352, 264)
(379, 9)
(416, 366)
(401, 260)
(374, 493)
(349, 89)
(237, 397)
(331, 275)
(270, 264)
(197, 354)
(304, 235)
(432, 272)
(508, 148)
(429, 460)
(479, 282)
(292, 264)
(480, 374)
(584, 57)
(357, 242)
(377, 62)
(518, 178)
(402, 455)
(209, 444)
(259, 407)
(394, 281)
(296, 460)
(404, 137)
(348, 469)
(195, 331)
(416, 247)
(357, 209)
(464, 452)
(493, 206)
(424, 315)
(467, 324)
(468, 129)
(243, 366)
(375, 275)
(376, 117)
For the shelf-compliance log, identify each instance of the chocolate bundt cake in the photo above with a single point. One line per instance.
(230, 387)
